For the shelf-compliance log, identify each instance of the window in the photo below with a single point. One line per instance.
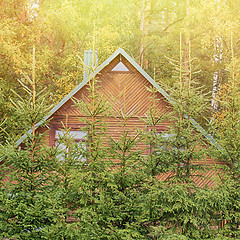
(77, 149)
(120, 67)
(168, 141)
(172, 149)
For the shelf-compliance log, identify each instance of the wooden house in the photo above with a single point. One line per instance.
(125, 84)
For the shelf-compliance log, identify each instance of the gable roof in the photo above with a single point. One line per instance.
(143, 73)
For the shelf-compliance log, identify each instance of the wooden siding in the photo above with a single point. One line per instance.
(125, 92)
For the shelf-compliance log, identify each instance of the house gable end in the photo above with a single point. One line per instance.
(137, 68)
(128, 92)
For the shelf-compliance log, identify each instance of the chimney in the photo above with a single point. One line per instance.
(90, 62)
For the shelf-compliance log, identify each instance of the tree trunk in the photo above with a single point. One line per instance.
(187, 41)
(217, 75)
(142, 23)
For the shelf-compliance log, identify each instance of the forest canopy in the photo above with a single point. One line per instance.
(148, 30)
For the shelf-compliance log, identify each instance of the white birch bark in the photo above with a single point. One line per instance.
(142, 23)
(217, 75)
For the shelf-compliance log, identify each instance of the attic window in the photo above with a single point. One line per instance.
(120, 67)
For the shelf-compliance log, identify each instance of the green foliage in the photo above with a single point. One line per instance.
(26, 180)
(226, 130)
(61, 30)
(185, 146)
(51, 193)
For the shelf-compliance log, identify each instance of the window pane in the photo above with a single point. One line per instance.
(120, 67)
(60, 157)
(73, 134)
(80, 136)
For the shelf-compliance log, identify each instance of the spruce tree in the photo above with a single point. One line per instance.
(186, 143)
(179, 150)
(156, 162)
(92, 180)
(226, 130)
(24, 200)
(126, 195)
(68, 160)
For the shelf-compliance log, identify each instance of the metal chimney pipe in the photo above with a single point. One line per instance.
(90, 61)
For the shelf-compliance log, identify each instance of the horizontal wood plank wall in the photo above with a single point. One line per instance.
(125, 92)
